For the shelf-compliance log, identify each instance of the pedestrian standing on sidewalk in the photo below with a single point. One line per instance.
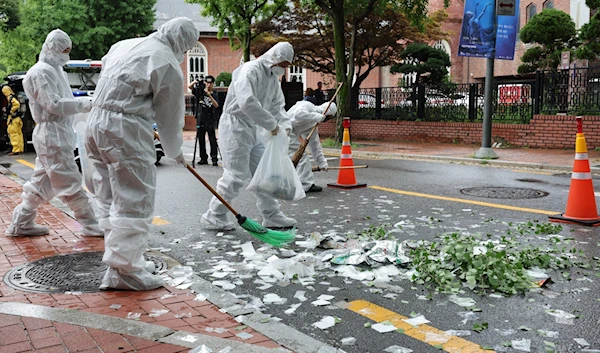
(14, 122)
(319, 95)
(254, 103)
(206, 119)
(141, 82)
(52, 106)
(305, 116)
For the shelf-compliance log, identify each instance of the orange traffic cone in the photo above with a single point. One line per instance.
(346, 177)
(581, 204)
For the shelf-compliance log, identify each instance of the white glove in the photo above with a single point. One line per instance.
(86, 105)
(324, 167)
(180, 160)
(323, 116)
(275, 131)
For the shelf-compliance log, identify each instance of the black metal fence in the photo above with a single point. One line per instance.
(574, 91)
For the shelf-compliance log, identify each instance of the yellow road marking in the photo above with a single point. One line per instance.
(159, 221)
(452, 344)
(472, 202)
(24, 162)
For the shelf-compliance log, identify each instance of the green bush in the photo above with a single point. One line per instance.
(224, 77)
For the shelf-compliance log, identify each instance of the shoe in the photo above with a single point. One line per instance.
(203, 162)
(92, 231)
(31, 230)
(213, 223)
(150, 266)
(14, 153)
(314, 188)
(279, 220)
(140, 280)
(215, 164)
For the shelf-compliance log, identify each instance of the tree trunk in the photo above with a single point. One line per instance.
(343, 100)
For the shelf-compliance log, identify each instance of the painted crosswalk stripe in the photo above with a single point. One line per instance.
(472, 202)
(423, 333)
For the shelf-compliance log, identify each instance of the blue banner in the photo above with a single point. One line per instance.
(478, 37)
(507, 35)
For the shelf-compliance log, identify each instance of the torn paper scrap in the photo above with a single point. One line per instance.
(325, 323)
(383, 328)
(397, 349)
(417, 320)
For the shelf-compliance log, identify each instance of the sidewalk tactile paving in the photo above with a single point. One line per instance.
(42, 334)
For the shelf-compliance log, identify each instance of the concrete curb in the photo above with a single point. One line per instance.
(138, 329)
(474, 161)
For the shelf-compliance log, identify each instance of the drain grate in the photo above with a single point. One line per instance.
(496, 192)
(81, 272)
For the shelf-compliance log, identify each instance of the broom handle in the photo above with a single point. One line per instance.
(325, 111)
(211, 189)
(317, 169)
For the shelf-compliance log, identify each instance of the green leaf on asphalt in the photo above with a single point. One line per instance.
(438, 346)
(477, 327)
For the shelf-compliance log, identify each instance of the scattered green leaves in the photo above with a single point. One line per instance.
(477, 327)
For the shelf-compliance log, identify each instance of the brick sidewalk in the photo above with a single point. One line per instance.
(64, 239)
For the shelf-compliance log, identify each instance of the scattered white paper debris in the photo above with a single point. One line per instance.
(464, 302)
(244, 335)
(224, 284)
(201, 349)
(582, 342)
(522, 345)
(383, 328)
(562, 317)
(325, 323)
(458, 333)
(158, 312)
(185, 285)
(273, 298)
(133, 315)
(292, 309)
(436, 338)
(115, 306)
(397, 349)
(550, 334)
(167, 296)
(320, 302)
(189, 338)
(417, 320)
(200, 298)
(348, 341)
(300, 295)
(219, 274)
(180, 315)
(215, 329)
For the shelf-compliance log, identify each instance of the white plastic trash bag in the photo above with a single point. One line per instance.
(275, 174)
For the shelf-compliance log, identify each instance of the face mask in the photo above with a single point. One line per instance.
(62, 59)
(277, 70)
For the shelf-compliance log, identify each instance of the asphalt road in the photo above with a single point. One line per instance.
(424, 199)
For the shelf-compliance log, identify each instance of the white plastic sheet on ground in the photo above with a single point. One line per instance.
(325, 323)
(397, 349)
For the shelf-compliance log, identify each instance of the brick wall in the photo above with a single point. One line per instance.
(544, 131)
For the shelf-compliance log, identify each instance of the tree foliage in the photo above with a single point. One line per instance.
(553, 31)
(429, 64)
(92, 25)
(241, 20)
(9, 14)
(590, 34)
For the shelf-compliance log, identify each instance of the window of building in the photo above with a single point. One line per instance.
(443, 45)
(296, 74)
(530, 10)
(548, 4)
(197, 62)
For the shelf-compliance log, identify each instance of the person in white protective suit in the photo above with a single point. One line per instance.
(254, 103)
(305, 116)
(52, 106)
(141, 82)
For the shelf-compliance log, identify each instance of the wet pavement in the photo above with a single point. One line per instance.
(169, 319)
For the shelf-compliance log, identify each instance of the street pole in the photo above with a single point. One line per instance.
(486, 151)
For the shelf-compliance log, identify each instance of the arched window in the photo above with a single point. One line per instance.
(296, 74)
(197, 62)
(443, 45)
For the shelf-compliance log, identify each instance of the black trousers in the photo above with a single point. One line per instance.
(212, 139)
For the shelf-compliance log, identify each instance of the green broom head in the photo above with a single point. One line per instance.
(274, 237)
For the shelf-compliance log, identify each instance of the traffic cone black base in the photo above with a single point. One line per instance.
(562, 219)
(344, 186)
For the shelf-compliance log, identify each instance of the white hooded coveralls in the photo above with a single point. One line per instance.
(141, 82)
(305, 116)
(254, 102)
(52, 106)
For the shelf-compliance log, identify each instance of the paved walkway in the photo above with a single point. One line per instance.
(31, 333)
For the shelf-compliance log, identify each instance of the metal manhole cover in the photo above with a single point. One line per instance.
(497, 192)
(81, 272)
